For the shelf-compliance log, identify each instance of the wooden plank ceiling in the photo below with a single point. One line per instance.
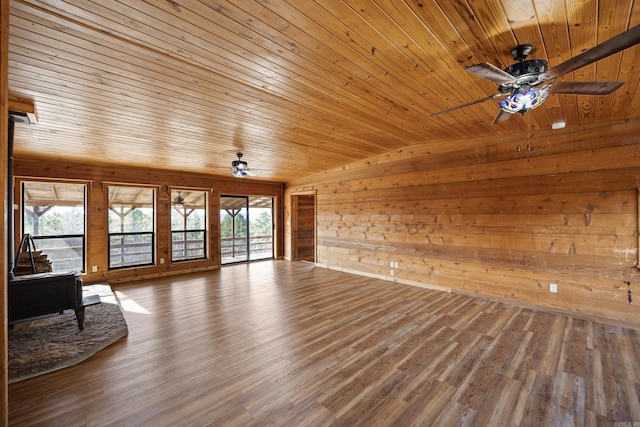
(299, 86)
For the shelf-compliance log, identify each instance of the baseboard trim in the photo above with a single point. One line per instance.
(513, 302)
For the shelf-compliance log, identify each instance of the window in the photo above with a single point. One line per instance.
(188, 225)
(131, 226)
(53, 214)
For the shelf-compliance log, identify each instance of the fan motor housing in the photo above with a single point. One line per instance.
(524, 68)
(239, 164)
(527, 74)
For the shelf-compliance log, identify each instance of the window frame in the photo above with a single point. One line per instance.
(21, 183)
(204, 231)
(246, 249)
(121, 234)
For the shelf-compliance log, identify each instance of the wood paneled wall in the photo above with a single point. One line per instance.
(493, 219)
(4, 118)
(97, 242)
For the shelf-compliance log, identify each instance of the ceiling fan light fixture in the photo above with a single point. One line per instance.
(523, 100)
(238, 172)
(519, 81)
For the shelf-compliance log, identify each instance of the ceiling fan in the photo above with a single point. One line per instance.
(240, 169)
(526, 84)
(179, 200)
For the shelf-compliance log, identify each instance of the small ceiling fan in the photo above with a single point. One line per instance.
(178, 201)
(526, 84)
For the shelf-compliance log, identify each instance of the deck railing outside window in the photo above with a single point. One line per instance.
(188, 244)
(130, 249)
(236, 248)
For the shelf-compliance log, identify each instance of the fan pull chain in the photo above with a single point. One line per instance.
(528, 133)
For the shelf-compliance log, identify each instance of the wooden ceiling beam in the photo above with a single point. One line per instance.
(23, 106)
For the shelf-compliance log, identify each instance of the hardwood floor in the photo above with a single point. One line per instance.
(286, 343)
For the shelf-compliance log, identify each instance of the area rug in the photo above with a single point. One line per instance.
(47, 344)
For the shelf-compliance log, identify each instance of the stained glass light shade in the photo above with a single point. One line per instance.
(524, 100)
(238, 173)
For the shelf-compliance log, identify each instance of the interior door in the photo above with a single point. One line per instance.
(303, 207)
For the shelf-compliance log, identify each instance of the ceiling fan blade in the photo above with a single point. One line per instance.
(468, 104)
(262, 170)
(501, 117)
(249, 172)
(491, 72)
(584, 88)
(615, 44)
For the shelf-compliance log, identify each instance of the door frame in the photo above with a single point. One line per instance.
(247, 208)
(295, 224)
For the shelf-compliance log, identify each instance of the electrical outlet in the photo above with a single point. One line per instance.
(553, 288)
(391, 272)
(161, 260)
(94, 269)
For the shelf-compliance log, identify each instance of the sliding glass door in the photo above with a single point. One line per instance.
(246, 228)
